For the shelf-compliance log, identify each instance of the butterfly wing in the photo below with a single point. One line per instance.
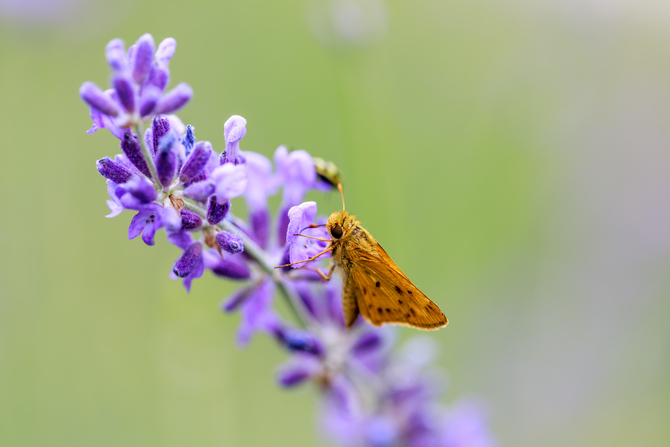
(385, 295)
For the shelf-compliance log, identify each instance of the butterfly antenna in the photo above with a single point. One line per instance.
(339, 186)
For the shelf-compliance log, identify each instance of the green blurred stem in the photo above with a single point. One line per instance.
(258, 255)
(139, 130)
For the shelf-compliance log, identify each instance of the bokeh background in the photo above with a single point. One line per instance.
(512, 156)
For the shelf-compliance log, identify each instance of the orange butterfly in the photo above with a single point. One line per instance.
(374, 285)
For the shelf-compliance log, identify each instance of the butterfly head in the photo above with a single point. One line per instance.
(339, 224)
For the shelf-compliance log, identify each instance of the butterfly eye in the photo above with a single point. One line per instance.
(336, 231)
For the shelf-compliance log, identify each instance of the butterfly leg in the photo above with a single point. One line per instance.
(330, 272)
(307, 260)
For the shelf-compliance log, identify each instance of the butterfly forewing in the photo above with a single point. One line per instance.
(385, 295)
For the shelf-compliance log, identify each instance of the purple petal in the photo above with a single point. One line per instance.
(189, 139)
(116, 55)
(113, 171)
(261, 182)
(182, 240)
(234, 129)
(166, 50)
(297, 371)
(160, 126)
(130, 146)
(175, 99)
(381, 432)
(148, 100)
(367, 343)
(230, 181)
(232, 267)
(260, 223)
(216, 212)
(158, 77)
(141, 189)
(95, 98)
(230, 242)
(199, 191)
(233, 302)
(138, 223)
(189, 220)
(302, 341)
(300, 216)
(102, 121)
(186, 264)
(125, 91)
(196, 161)
(166, 160)
(141, 57)
(257, 313)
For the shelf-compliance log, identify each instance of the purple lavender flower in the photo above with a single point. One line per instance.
(233, 130)
(297, 174)
(137, 86)
(146, 222)
(301, 248)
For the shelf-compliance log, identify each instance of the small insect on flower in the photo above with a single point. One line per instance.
(373, 285)
(327, 172)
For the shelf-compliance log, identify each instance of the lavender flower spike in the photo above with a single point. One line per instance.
(233, 130)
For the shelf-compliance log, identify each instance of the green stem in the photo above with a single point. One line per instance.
(258, 255)
(145, 151)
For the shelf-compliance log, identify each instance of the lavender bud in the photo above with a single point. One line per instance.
(141, 57)
(131, 52)
(291, 377)
(175, 99)
(166, 50)
(189, 139)
(113, 171)
(116, 56)
(141, 189)
(234, 130)
(148, 99)
(124, 91)
(189, 220)
(231, 269)
(94, 97)
(215, 212)
(158, 77)
(199, 191)
(302, 342)
(166, 160)
(131, 147)
(230, 242)
(367, 343)
(187, 262)
(160, 126)
(196, 161)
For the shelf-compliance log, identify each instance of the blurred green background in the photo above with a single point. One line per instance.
(512, 156)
